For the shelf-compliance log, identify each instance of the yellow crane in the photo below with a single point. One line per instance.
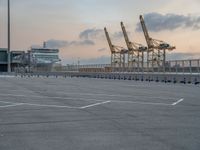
(156, 53)
(135, 51)
(117, 53)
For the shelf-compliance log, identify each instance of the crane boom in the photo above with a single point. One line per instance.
(146, 33)
(135, 51)
(156, 54)
(109, 41)
(117, 53)
(128, 43)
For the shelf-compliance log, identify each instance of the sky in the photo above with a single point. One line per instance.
(76, 26)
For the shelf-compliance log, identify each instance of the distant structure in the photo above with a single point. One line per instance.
(156, 53)
(3, 60)
(135, 52)
(118, 54)
(43, 58)
(133, 59)
(17, 60)
(35, 59)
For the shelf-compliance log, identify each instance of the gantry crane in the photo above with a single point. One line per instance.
(117, 53)
(156, 53)
(135, 51)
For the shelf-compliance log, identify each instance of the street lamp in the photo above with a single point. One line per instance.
(9, 67)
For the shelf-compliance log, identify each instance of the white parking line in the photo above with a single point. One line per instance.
(7, 102)
(95, 104)
(35, 96)
(88, 106)
(88, 94)
(59, 106)
(180, 100)
(141, 103)
(12, 105)
(52, 106)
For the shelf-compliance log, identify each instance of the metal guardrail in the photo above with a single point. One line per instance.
(174, 66)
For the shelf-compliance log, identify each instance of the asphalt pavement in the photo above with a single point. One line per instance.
(97, 114)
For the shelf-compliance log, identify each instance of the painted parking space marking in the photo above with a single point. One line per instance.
(11, 105)
(35, 96)
(177, 102)
(52, 106)
(88, 94)
(92, 105)
(142, 103)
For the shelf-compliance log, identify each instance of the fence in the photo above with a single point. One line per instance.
(174, 66)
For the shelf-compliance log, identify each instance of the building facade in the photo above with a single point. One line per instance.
(44, 56)
(3, 60)
(17, 60)
(43, 59)
(36, 59)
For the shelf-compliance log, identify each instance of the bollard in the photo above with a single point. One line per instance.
(174, 80)
(196, 82)
(129, 78)
(157, 80)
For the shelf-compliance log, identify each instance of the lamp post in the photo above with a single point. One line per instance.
(9, 66)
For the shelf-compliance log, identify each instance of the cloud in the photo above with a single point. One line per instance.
(52, 43)
(91, 34)
(82, 43)
(57, 43)
(98, 34)
(158, 22)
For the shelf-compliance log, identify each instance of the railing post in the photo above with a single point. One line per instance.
(170, 67)
(183, 66)
(190, 61)
(176, 67)
(198, 61)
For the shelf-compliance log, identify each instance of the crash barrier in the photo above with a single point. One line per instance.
(185, 78)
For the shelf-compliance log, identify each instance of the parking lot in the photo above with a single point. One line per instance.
(40, 113)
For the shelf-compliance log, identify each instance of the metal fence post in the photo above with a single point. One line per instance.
(176, 65)
(183, 66)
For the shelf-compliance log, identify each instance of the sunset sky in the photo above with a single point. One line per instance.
(76, 26)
